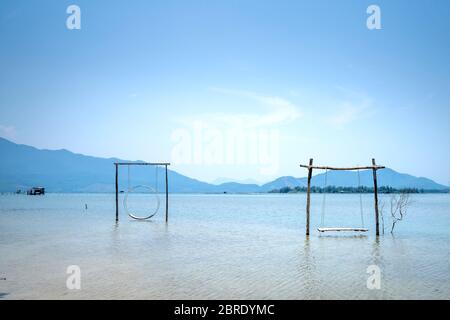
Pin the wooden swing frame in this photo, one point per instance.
(128, 164)
(374, 167)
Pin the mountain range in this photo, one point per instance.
(22, 167)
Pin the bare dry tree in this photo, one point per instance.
(399, 207)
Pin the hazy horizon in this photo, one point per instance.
(243, 180)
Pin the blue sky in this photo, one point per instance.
(141, 74)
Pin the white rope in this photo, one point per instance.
(360, 200)
(324, 198)
(156, 178)
(128, 178)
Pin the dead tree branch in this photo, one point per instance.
(399, 208)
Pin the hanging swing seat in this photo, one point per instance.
(342, 229)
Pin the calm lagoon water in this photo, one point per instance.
(219, 247)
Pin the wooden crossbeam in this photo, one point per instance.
(142, 163)
(343, 169)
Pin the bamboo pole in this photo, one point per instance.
(375, 192)
(117, 192)
(308, 195)
(167, 196)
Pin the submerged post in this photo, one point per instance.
(308, 195)
(117, 192)
(375, 193)
(167, 196)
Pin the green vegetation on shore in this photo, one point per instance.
(334, 189)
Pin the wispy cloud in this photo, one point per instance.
(276, 110)
(346, 115)
(8, 132)
(355, 107)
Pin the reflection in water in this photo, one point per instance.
(218, 247)
(115, 238)
(307, 269)
(3, 295)
(377, 259)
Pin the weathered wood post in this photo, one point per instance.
(167, 196)
(308, 195)
(375, 193)
(117, 192)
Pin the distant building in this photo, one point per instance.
(36, 191)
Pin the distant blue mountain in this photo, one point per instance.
(281, 182)
(385, 177)
(223, 180)
(22, 167)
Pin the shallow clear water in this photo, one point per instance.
(220, 247)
